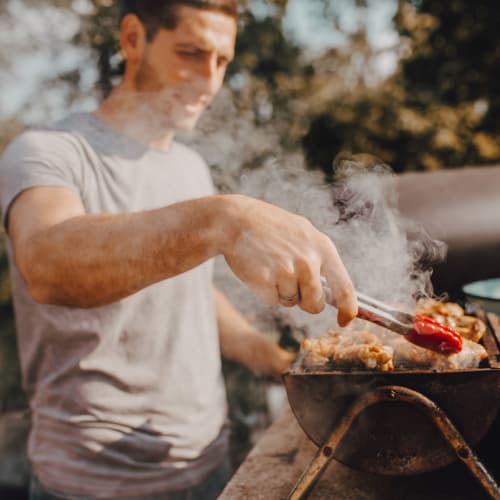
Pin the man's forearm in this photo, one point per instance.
(93, 260)
(68, 257)
(242, 342)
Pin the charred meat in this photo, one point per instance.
(382, 350)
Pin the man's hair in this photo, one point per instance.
(156, 14)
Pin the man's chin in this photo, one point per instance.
(186, 124)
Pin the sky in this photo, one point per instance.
(305, 23)
(39, 48)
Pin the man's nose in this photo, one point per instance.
(210, 75)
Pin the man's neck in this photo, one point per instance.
(124, 112)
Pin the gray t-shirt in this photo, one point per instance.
(127, 399)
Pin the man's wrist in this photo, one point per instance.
(226, 218)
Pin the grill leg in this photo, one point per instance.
(325, 453)
(386, 394)
(319, 463)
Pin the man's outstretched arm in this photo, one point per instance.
(241, 342)
(69, 257)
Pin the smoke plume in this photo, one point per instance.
(387, 256)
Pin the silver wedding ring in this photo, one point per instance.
(289, 299)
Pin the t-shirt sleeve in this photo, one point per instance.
(38, 158)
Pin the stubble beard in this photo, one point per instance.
(158, 106)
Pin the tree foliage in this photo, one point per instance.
(441, 107)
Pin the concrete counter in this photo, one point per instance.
(283, 453)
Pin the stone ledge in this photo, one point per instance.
(283, 453)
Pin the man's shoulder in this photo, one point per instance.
(41, 140)
(42, 147)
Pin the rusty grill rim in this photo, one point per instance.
(301, 371)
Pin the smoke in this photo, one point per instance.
(387, 256)
(150, 112)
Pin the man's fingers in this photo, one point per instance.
(288, 291)
(268, 296)
(264, 287)
(342, 289)
(312, 296)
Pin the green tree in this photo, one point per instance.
(440, 109)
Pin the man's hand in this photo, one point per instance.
(241, 342)
(282, 256)
(282, 361)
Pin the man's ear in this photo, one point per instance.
(132, 38)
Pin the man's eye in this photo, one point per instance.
(190, 53)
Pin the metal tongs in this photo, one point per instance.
(381, 314)
(378, 312)
(419, 330)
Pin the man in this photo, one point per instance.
(112, 225)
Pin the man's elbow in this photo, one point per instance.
(30, 268)
(41, 295)
(37, 289)
(50, 283)
(45, 294)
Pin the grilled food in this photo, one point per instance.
(385, 351)
(408, 356)
(358, 349)
(451, 314)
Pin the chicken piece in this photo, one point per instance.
(470, 328)
(409, 356)
(353, 349)
(370, 356)
(327, 343)
(431, 307)
(312, 357)
(470, 356)
(452, 315)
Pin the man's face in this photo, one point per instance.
(183, 69)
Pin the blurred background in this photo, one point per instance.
(414, 82)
